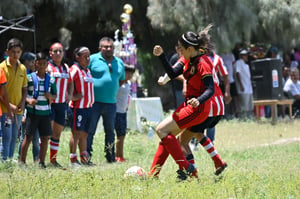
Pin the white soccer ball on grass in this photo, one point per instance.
(135, 172)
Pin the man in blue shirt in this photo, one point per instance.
(108, 74)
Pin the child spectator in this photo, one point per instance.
(41, 91)
(28, 59)
(123, 98)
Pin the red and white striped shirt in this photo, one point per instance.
(83, 83)
(219, 67)
(217, 102)
(62, 78)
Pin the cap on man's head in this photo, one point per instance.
(28, 56)
(274, 49)
(243, 52)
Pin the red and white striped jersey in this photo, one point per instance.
(62, 78)
(217, 102)
(83, 83)
(219, 67)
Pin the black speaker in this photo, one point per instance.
(266, 76)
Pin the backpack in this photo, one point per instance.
(36, 84)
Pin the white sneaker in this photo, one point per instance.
(75, 164)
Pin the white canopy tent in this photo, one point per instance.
(16, 24)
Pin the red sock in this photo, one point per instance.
(84, 157)
(159, 159)
(73, 157)
(54, 146)
(171, 144)
(209, 147)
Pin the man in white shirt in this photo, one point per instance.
(292, 87)
(244, 86)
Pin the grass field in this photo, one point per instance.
(263, 162)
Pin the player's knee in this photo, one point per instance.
(161, 132)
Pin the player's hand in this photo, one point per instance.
(32, 102)
(157, 50)
(162, 80)
(48, 96)
(13, 108)
(227, 98)
(193, 102)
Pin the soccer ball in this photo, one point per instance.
(135, 172)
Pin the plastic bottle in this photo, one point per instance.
(7, 122)
(150, 133)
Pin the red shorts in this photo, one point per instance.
(186, 116)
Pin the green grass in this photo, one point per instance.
(263, 162)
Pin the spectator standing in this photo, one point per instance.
(297, 55)
(231, 108)
(108, 74)
(288, 59)
(244, 87)
(28, 59)
(15, 73)
(38, 108)
(82, 101)
(123, 99)
(60, 71)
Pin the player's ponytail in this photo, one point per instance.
(204, 37)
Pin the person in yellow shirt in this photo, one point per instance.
(15, 73)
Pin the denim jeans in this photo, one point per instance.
(108, 113)
(10, 136)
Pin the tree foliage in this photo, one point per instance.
(157, 21)
(274, 21)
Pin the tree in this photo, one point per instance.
(234, 20)
(157, 22)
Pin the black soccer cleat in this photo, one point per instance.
(220, 170)
(184, 174)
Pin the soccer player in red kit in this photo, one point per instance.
(189, 44)
(197, 71)
(60, 71)
(82, 101)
